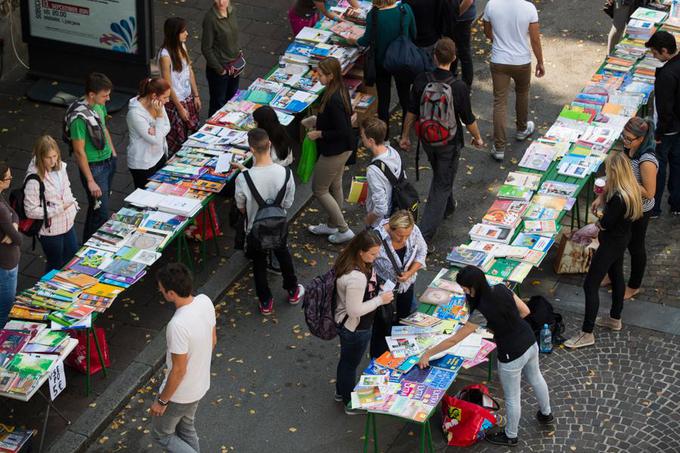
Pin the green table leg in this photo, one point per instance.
(428, 432)
(183, 252)
(375, 434)
(99, 353)
(370, 427)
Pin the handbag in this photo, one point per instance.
(464, 423)
(307, 160)
(370, 71)
(236, 66)
(403, 56)
(78, 358)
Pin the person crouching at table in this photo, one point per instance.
(357, 300)
(517, 348)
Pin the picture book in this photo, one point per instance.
(493, 233)
(402, 346)
(538, 212)
(448, 362)
(435, 296)
(408, 364)
(421, 320)
(557, 188)
(293, 101)
(533, 257)
(514, 193)
(455, 310)
(24, 383)
(148, 240)
(463, 256)
(387, 360)
(502, 268)
(505, 213)
(523, 179)
(50, 338)
(11, 341)
(538, 156)
(372, 380)
(534, 241)
(543, 227)
(31, 365)
(347, 30)
(446, 279)
(262, 91)
(125, 268)
(7, 378)
(366, 397)
(410, 409)
(13, 439)
(575, 166)
(104, 290)
(550, 201)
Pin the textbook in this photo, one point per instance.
(538, 212)
(557, 188)
(493, 233)
(533, 241)
(648, 14)
(509, 192)
(462, 256)
(549, 201)
(543, 227)
(293, 101)
(313, 35)
(538, 156)
(505, 213)
(530, 181)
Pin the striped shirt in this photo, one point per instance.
(647, 203)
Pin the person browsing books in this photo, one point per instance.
(402, 255)
(10, 247)
(517, 348)
(623, 206)
(270, 180)
(305, 13)
(282, 146)
(148, 125)
(184, 105)
(639, 146)
(379, 195)
(335, 141)
(358, 298)
(57, 235)
(444, 155)
(85, 128)
(191, 338)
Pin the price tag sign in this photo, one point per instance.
(57, 380)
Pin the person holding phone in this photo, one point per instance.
(148, 126)
(358, 298)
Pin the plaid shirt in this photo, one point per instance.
(57, 194)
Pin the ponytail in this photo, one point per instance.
(155, 85)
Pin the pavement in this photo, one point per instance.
(272, 382)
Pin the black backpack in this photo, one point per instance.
(542, 313)
(404, 195)
(29, 227)
(270, 226)
(319, 304)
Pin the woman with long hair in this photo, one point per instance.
(516, 343)
(58, 234)
(357, 299)
(335, 141)
(638, 145)
(623, 206)
(10, 247)
(282, 146)
(185, 103)
(402, 255)
(148, 125)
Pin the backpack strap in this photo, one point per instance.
(251, 185)
(397, 269)
(282, 191)
(404, 26)
(41, 197)
(387, 172)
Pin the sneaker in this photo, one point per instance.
(295, 297)
(267, 308)
(500, 438)
(321, 229)
(609, 323)
(497, 155)
(339, 238)
(349, 410)
(581, 340)
(337, 398)
(523, 135)
(544, 419)
(675, 213)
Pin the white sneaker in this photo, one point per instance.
(498, 155)
(339, 238)
(523, 135)
(321, 229)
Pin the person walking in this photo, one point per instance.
(282, 146)
(10, 247)
(184, 105)
(461, 33)
(58, 234)
(148, 126)
(622, 10)
(334, 141)
(223, 56)
(638, 145)
(385, 158)
(431, 22)
(444, 158)
(391, 20)
(623, 207)
(305, 13)
(191, 337)
(85, 127)
(517, 349)
(402, 255)
(512, 27)
(358, 298)
(266, 181)
(667, 103)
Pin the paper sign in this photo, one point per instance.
(57, 380)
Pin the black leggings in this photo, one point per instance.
(638, 251)
(383, 86)
(381, 329)
(608, 260)
(141, 177)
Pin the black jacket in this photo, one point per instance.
(667, 97)
(335, 124)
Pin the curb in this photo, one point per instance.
(81, 433)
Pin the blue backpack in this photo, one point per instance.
(319, 303)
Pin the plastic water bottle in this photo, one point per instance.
(546, 345)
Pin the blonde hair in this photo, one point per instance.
(401, 219)
(621, 180)
(383, 3)
(41, 148)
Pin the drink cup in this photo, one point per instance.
(598, 187)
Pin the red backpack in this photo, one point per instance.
(29, 227)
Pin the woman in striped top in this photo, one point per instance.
(639, 145)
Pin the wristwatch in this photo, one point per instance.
(162, 403)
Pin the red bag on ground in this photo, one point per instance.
(78, 358)
(479, 394)
(464, 423)
(195, 231)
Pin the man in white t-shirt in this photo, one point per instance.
(512, 26)
(191, 338)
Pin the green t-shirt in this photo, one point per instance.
(79, 132)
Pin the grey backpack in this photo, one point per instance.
(437, 124)
(270, 226)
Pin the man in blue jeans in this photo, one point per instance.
(667, 103)
(85, 127)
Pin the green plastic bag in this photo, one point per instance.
(307, 160)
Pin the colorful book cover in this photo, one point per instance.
(493, 233)
(421, 320)
(125, 268)
(557, 188)
(435, 296)
(514, 192)
(505, 213)
(11, 341)
(530, 181)
(464, 257)
(502, 268)
(449, 362)
(30, 365)
(387, 360)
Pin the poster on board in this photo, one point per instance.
(102, 24)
